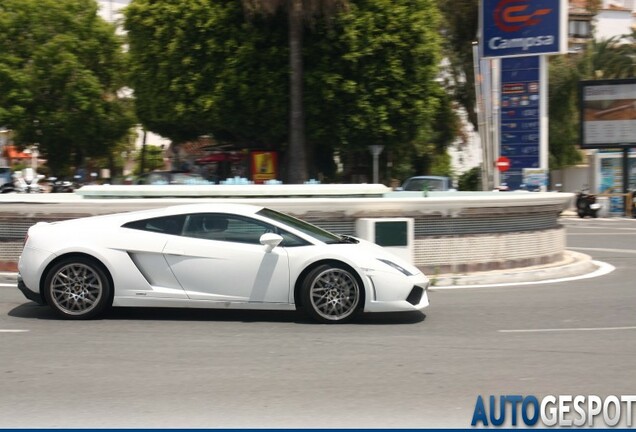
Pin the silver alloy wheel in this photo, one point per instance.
(76, 288)
(334, 294)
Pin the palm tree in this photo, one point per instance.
(298, 12)
(611, 58)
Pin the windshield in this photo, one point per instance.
(428, 184)
(302, 226)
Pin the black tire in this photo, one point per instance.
(332, 294)
(77, 288)
(581, 213)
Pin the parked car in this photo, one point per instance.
(212, 256)
(6, 180)
(170, 178)
(428, 183)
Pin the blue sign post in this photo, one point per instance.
(516, 37)
(520, 122)
(523, 27)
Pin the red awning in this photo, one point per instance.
(211, 158)
(220, 157)
(11, 152)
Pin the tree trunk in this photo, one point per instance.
(297, 168)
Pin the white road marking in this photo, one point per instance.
(603, 269)
(567, 329)
(627, 251)
(13, 331)
(602, 234)
(11, 285)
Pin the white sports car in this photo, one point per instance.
(212, 256)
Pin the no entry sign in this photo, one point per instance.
(503, 164)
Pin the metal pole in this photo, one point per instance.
(481, 123)
(375, 152)
(626, 170)
(543, 119)
(495, 146)
(142, 167)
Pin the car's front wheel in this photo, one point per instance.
(77, 288)
(331, 294)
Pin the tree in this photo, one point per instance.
(198, 67)
(470, 180)
(372, 79)
(608, 59)
(369, 76)
(298, 12)
(60, 69)
(460, 28)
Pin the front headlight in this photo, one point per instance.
(396, 266)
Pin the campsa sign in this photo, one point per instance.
(523, 27)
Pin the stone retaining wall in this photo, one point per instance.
(453, 234)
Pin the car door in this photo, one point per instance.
(219, 257)
(144, 241)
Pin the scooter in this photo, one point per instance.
(27, 181)
(61, 186)
(586, 204)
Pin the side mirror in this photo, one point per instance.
(270, 241)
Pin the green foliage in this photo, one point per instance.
(608, 59)
(369, 77)
(564, 112)
(153, 159)
(200, 67)
(60, 68)
(371, 80)
(460, 26)
(470, 180)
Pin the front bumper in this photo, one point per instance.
(31, 295)
(393, 293)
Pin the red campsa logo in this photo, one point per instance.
(514, 15)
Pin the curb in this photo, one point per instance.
(8, 278)
(573, 264)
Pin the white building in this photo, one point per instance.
(111, 10)
(614, 19)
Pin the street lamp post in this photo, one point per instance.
(375, 152)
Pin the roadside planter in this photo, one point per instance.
(455, 232)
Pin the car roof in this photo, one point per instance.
(121, 218)
(427, 177)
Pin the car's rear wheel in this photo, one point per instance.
(331, 294)
(77, 288)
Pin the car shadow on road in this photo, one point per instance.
(33, 311)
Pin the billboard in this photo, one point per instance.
(520, 113)
(264, 166)
(608, 113)
(512, 28)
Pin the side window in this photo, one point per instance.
(291, 240)
(164, 225)
(209, 226)
(157, 179)
(225, 227)
(232, 228)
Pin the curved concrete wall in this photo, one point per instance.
(454, 233)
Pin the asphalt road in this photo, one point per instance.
(176, 368)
